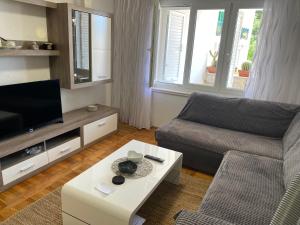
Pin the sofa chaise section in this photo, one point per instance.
(196, 218)
(247, 189)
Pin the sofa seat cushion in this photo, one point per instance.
(247, 189)
(218, 140)
(291, 164)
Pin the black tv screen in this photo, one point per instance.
(29, 106)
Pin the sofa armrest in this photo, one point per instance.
(198, 218)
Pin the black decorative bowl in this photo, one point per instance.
(127, 167)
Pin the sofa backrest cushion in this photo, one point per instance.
(291, 163)
(292, 134)
(245, 115)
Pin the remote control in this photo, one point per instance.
(154, 158)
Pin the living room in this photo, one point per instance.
(128, 112)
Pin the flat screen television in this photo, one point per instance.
(29, 106)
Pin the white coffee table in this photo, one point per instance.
(83, 204)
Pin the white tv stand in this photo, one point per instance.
(57, 142)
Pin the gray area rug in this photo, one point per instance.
(159, 209)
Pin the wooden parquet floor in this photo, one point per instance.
(25, 193)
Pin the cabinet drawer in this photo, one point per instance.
(21, 169)
(64, 149)
(100, 128)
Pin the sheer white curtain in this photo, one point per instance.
(275, 74)
(131, 93)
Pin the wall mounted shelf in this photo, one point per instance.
(39, 3)
(28, 52)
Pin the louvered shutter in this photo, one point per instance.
(173, 46)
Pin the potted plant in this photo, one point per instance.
(214, 62)
(245, 68)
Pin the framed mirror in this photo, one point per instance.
(81, 46)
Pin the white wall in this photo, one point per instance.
(20, 21)
(105, 5)
(166, 107)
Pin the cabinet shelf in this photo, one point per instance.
(27, 52)
(43, 3)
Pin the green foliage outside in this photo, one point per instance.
(255, 31)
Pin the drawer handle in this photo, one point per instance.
(65, 150)
(101, 124)
(27, 167)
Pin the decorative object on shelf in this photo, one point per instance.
(134, 156)
(244, 72)
(2, 42)
(213, 67)
(127, 167)
(35, 46)
(144, 168)
(9, 44)
(34, 150)
(92, 108)
(47, 46)
(118, 180)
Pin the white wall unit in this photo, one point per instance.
(100, 128)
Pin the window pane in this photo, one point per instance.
(206, 46)
(172, 45)
(244, 45)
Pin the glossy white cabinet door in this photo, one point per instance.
(101, 47)
(99, 128)
(101, 65)
(64, 149)
(23, 168)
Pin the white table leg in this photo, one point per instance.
(174, 175)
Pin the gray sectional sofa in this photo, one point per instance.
(255, 148)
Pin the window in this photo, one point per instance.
(208, 32)
(208, 46)
(173, 42)
(244, 45)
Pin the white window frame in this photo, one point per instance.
(232, 8)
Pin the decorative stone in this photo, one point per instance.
(134, 156)
(118, 180)
(128, 167)
(144, 168)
